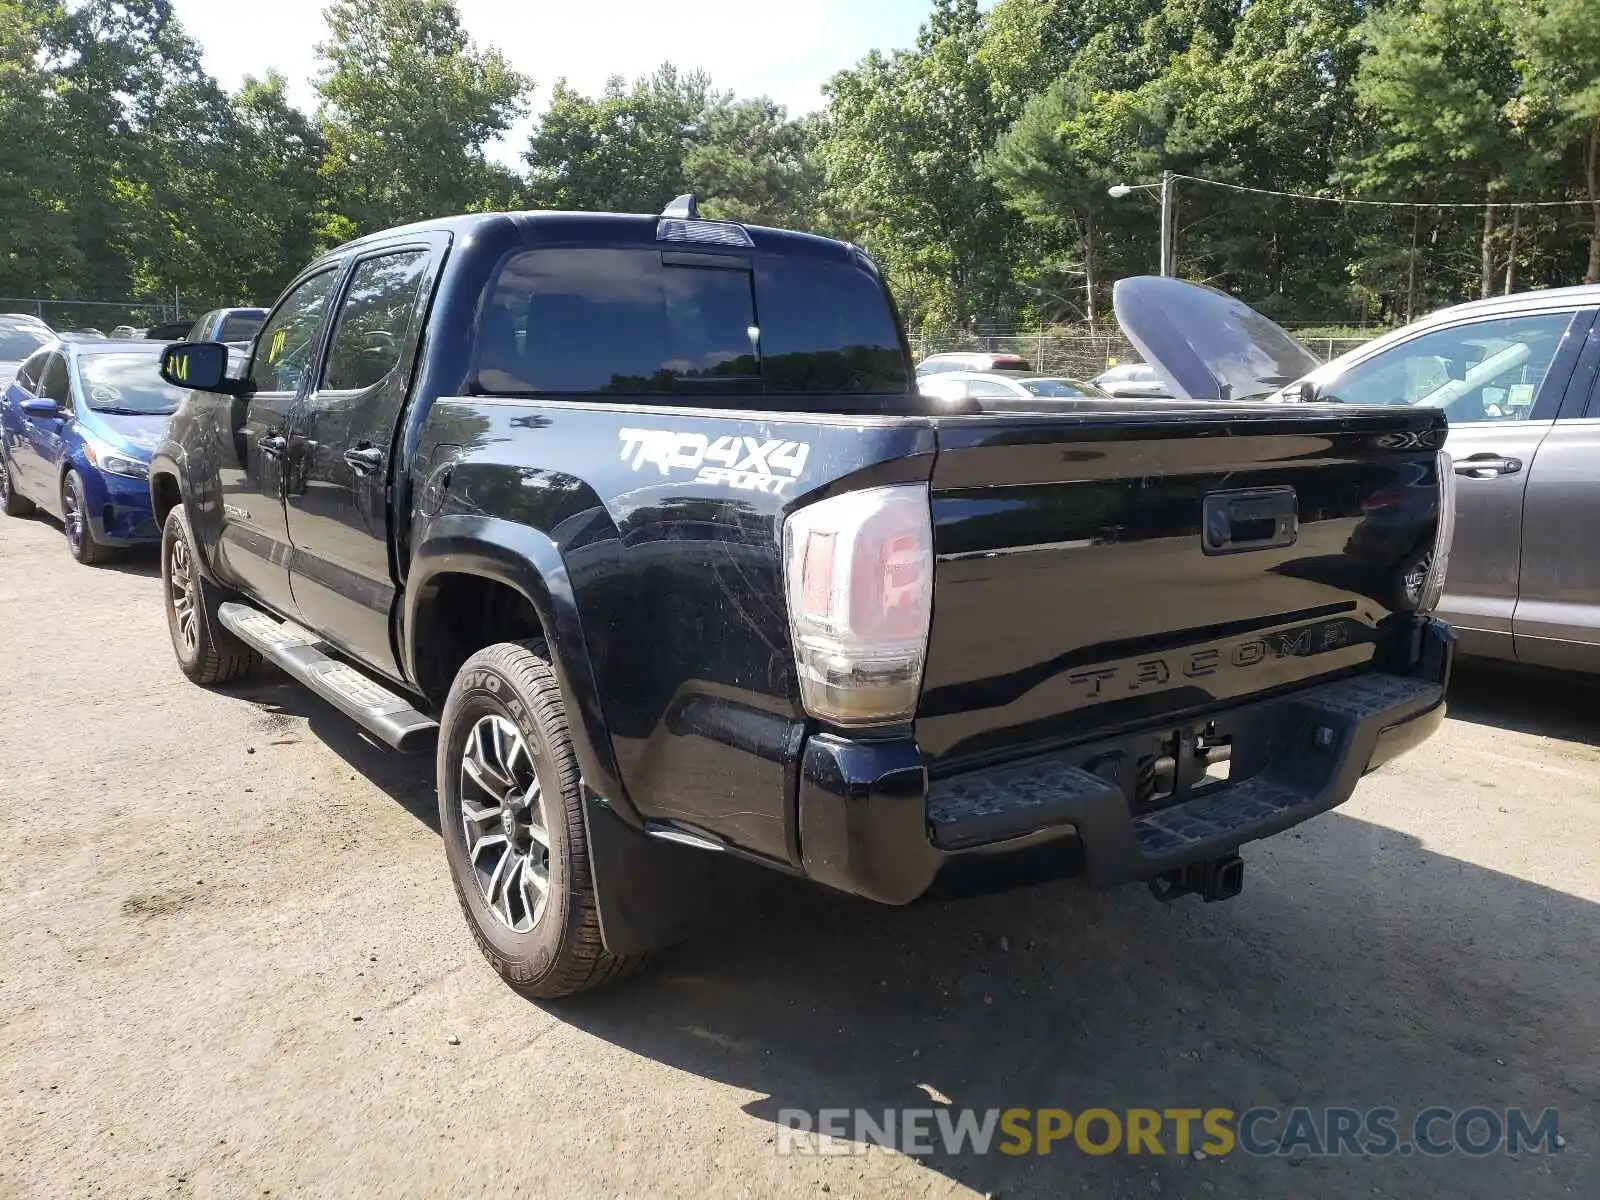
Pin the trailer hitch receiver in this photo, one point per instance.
(1214, 879)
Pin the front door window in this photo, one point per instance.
(288, 340)
(1482, 371)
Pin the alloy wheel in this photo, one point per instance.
(503, 819)
(182, 594)
(5, 479)
(72, 515)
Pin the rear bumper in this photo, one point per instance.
(872, 824)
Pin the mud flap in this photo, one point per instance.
(650, 893)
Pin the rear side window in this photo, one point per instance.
(827, 327)
(374, 320)
(240, 327)
(29, 372)
(646, 321)
(54, 383)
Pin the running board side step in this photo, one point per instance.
(302, 655)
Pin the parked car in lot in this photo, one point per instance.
(78, 424)
(981, 390)
(1135, 381)
(19, 338)
(27, 319)
(640, 524)
(968, 361)
(169, 331)
(235, 326)
(1517, 378)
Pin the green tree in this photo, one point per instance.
(1055, 164)
(1560, 43)
(751, 163)
(119, 68)
(1264, 99)
(38, 249)
(623, 151)
(277, 188)
(1439, 94)
(902, 146)
(1109, 44)
(408, 104)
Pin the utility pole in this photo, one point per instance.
(1166, 223)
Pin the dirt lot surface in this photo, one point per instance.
(231, 964)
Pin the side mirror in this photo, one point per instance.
(41, 409)
(1304, 392)
(202, 366)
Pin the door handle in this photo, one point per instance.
(273, 445)
(364, 460)
(1487, 466)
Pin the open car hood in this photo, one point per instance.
(1206, 345)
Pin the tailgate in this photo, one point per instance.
(1108, 570)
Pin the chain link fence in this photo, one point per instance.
(1076, 354)
(101, 315)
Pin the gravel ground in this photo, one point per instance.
(231, 964)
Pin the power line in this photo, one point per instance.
(1239, 187)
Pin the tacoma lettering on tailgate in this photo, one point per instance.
(1144, 674)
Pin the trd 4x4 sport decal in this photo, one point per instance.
(750, 464)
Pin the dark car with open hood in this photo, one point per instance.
(640, 525)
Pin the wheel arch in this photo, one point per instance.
(167, 491)
(510, 583)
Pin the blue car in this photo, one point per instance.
(77, 427)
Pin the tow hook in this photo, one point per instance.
(1214, 879)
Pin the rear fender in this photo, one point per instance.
(649, 892)
(527, 561)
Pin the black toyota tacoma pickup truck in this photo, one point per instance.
(640, 522)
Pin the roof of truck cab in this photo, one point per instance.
(601, 229)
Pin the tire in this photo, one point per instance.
(503, 690)
(75, 522)
(206, 652)
(13, 502)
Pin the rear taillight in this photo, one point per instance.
(858, 574)
(1439, 560)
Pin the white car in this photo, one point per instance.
(1132, 380)
(936, 364)
(26, 319)
(972, 389)
(19, 338)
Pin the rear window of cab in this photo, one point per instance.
(638, 322)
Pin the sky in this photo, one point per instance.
(785, 50)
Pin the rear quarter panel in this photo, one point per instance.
(668, 524)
